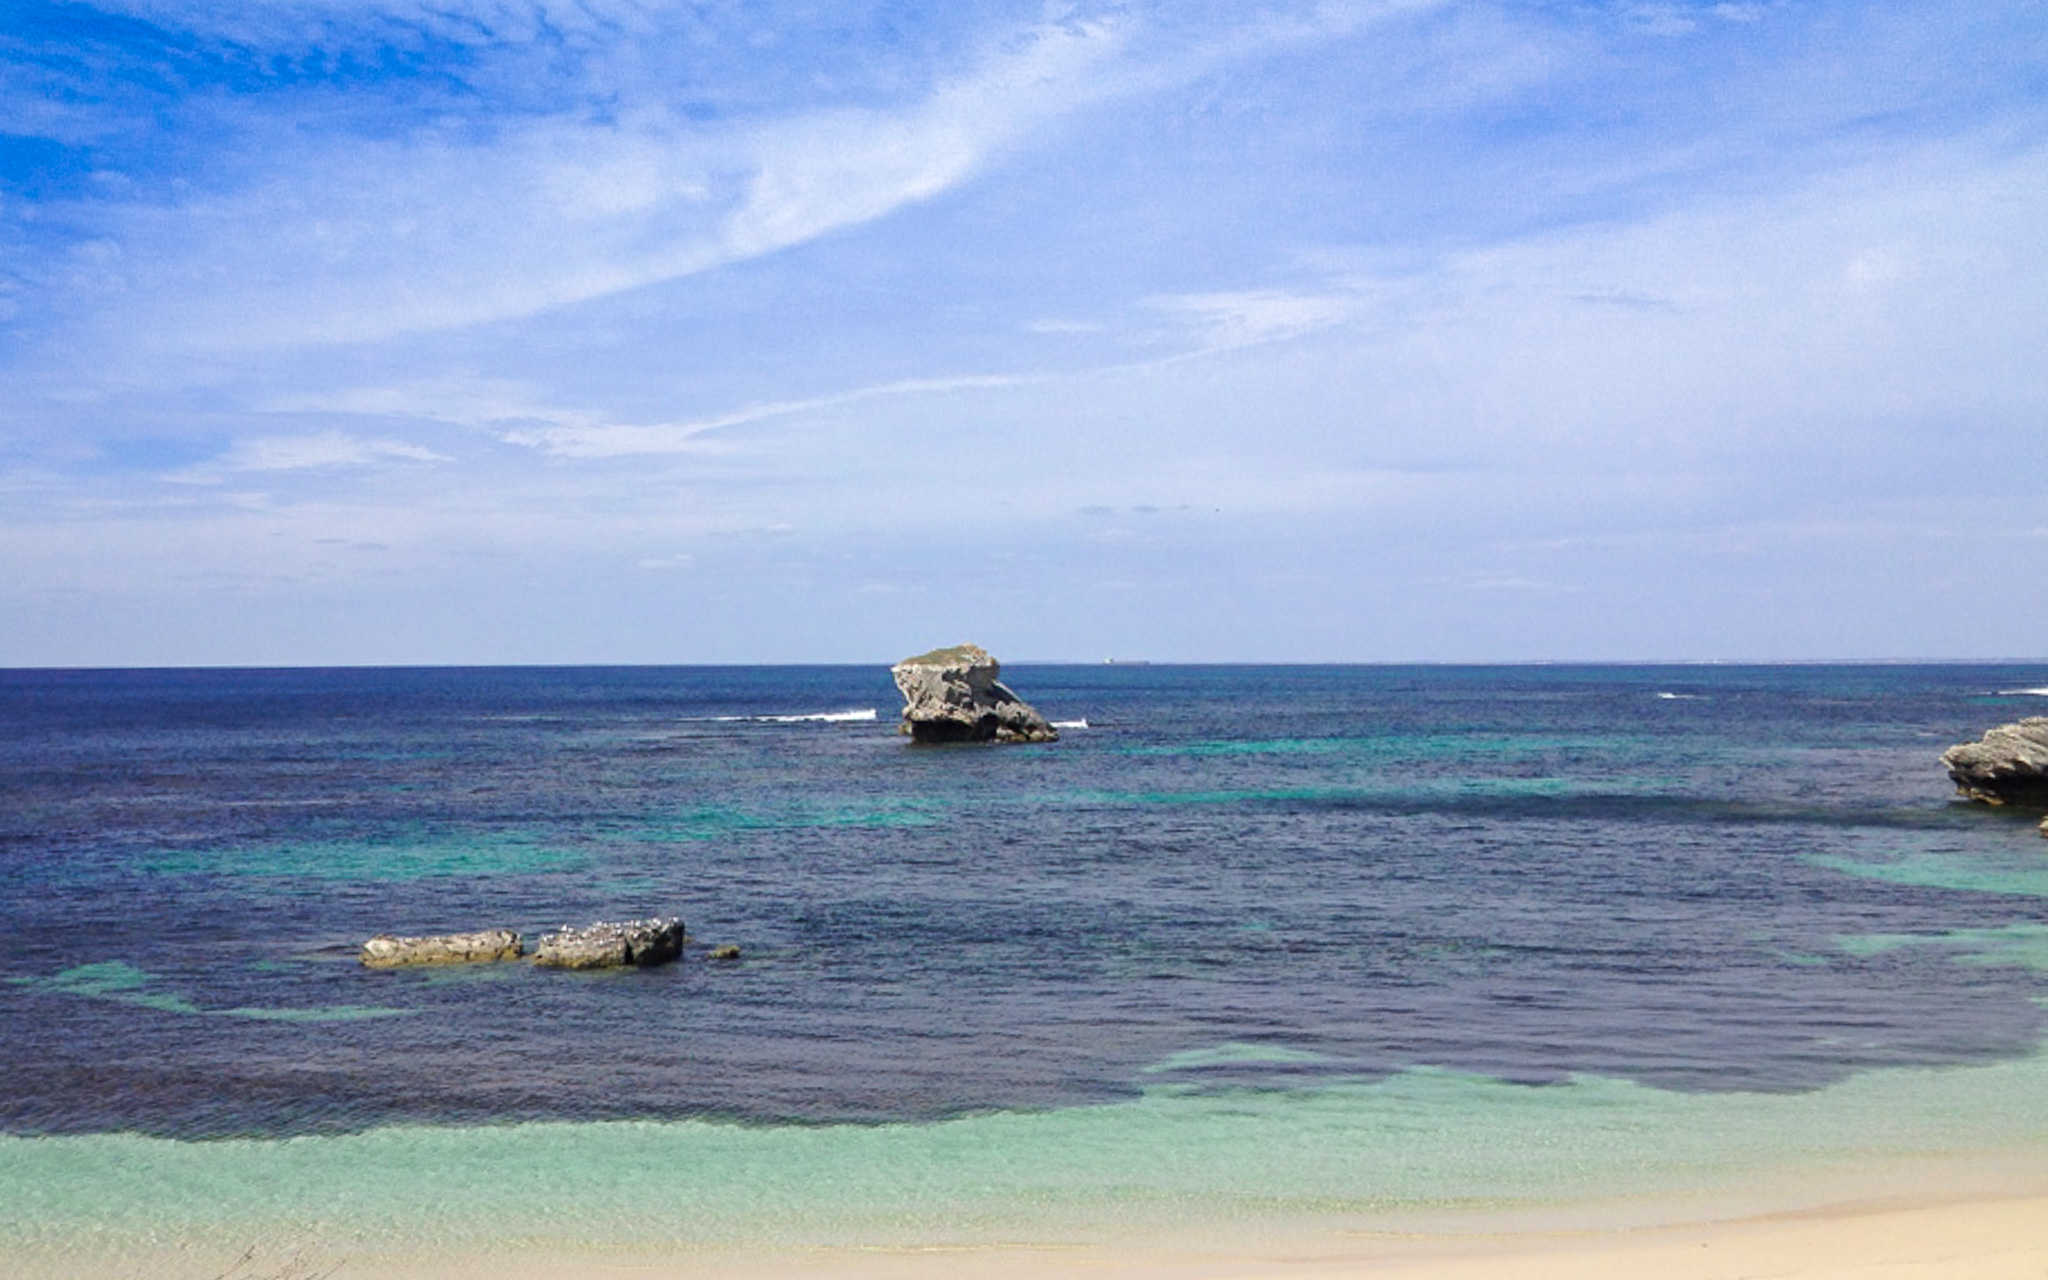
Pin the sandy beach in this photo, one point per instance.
(1992, 1238)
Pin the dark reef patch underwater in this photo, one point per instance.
(1235, 880)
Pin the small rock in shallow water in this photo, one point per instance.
(387, 952)
(611, 944)
(726, 952)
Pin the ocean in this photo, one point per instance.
(1247, 943)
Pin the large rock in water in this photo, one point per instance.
(612, 944)
(952, 695)
(387, 952)
(2008, 765)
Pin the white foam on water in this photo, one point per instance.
(1070, 724)
(2016, 693)
(825, 717)
(856, 715)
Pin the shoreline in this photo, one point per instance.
(1936, 1237)
(1974, 1216)
(1934, 1174)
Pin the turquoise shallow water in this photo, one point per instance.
(1422, 1140)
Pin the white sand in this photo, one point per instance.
(1994, 1238)
(1977, 1216)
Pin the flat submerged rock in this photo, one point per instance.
(388, 951)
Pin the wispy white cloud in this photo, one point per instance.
(324, 451)
(823, 173)
(681, 560)
(1673, 18)
(332, 238)
(1065, 327)
(1663, 19)
(352, 240)
(1226, 321)
(1501, 580)
(274, 19)
(600, 439)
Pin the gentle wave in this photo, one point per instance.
(814, 717)
(1682, 697)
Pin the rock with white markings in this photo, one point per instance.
(952, 695)
(612, 944)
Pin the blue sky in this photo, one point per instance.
(347, 331)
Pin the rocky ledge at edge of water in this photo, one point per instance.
(2007, 766)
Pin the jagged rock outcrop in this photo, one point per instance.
(952, 695)
(2008, 765)
(387, 952)
(612, 944)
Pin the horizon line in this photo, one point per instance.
(1039, 662)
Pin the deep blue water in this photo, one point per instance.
(1702, 879)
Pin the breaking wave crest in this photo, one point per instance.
(814, 717)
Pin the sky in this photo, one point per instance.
(343, 332)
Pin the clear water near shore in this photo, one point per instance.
(1425, 1140)
(1255, 941)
